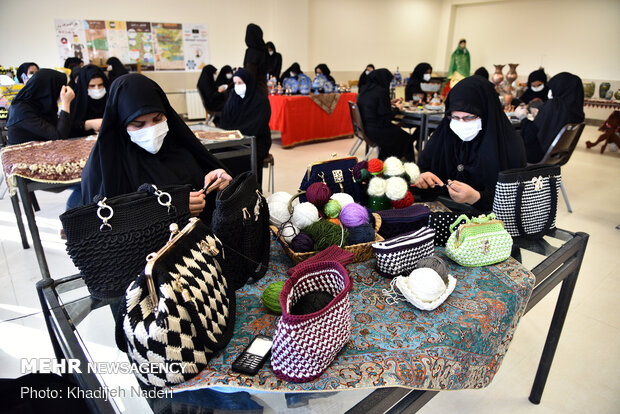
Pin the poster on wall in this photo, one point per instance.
(71, 39)
(168, 39)
(117, 40)
(195, 46)
(140, 40)
(96, 41)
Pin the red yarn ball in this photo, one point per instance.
(403, 202)
(318, 194)
(375, 166)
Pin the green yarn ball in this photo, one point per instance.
(271, 297)
(332, 209)
(325, 233)
(379, 203)
(364, 174)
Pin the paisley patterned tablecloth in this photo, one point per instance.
(459, 345)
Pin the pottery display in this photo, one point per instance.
(588, 89)
(498, 76)
(512, 76)
(603, 89)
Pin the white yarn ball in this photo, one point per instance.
(413, 171)
(376, 186)
(426, 284)
(342, 198)
(396, 188)
(304, 215)
(393, 167)
(288, 232)
(278, 207)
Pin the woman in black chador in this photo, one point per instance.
(213, 97)
(255, 59)
(143, 140)
(421, 73)
(377, 114)
(274, 60)
(116, 69)
(90, 99)
(537, 87)
(292, 71)
(472, 144)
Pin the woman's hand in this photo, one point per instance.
(216, 180)
(428, 180)
(66, 96)
(222, 88)
(521, 112)
(93, 124)
(196, 202)
(462, 193)
(534, 112)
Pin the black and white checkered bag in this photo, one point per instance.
(526, 199)
(180, 311)
(398, 256)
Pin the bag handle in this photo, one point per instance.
(462, 217)
(552, 209)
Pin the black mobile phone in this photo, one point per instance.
(254, 356)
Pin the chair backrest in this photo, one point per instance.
(358, 126)
(563, 145)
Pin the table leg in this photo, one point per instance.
(555, 329)
(20, 221)
(32, 225)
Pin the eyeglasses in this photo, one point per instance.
(467, 118)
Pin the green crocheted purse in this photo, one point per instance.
(479, 241)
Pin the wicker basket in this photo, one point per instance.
(361, 252)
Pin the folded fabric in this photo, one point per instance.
(332, 253)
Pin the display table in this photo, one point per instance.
(393, 348)
(302, 120)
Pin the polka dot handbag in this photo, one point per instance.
(441, 222)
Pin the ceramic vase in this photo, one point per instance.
(588, 89)
(498, 76)
(617, 95)
(512, 76)
(602, 89)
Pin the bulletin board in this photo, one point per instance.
(155, 45)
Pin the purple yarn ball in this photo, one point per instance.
(302, 243)
(357, 169)
(353, 215)
(318, 194)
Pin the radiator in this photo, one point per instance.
(195, 109)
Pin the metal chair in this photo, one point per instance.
(358, 131)
(561, 149)
(268, 162)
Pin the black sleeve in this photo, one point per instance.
(485, 203)
(42, 130)
(278, 66)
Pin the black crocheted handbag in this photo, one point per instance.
(241, 222)
(109, 240)
(441, 221)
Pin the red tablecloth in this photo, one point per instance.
(301, 120)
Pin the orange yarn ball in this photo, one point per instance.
(334, 220)
(403, 202)
(375, 166)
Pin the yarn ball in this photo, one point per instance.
(304, 215)
(361, 234)
(325, 233)
(403, 202)
(343, 199)
(288, 231)
(302, 243)
(318, 194)
(393, 167)
(375, 166)
(376, 187)
(364, 174)
(378, 203)
(334, 220)
(396, 188)
(426, 284)
(278, 207)
(353, 215)
(357, 169)
(271, 297)
(332, 209)
(412, 171)
(435, 263)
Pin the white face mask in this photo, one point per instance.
(229, 76)
(538, 88)
(293, 74)
(426, 77)
(151, 138)
(367, 72)
(466, 131)
(96, 93)
(240, 89)
(549, 94)
(270, 52)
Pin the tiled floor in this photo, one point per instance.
(584, 375)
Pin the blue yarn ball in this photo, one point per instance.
(361, 234)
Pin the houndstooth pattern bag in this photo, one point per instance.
(526, 199)
(179, 310)
(399, 255)
(305, 345)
